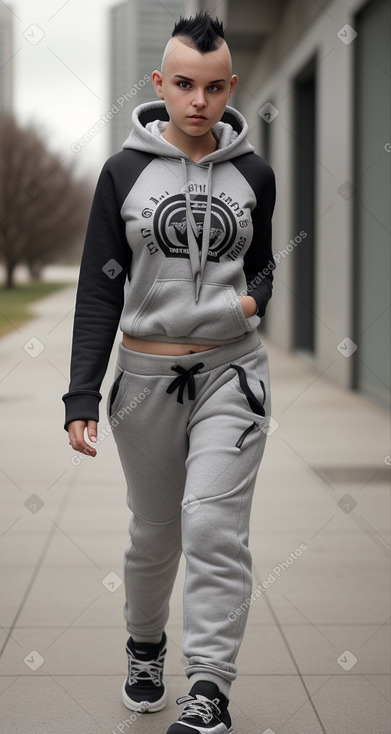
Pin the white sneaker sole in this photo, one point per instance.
(193, 728)
(143, 707)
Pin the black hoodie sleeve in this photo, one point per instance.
(258, 260)
(99, 301)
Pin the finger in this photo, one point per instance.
(83, 448)
(76, 440)
(92, 430)
(76, 431)
(90, 434)
(89, 450)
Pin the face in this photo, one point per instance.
(195, 87)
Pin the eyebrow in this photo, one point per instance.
(187, 79)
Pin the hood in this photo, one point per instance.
(151, 119)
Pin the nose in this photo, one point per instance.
(199, 100)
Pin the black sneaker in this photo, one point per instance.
(144, 690)
(205, 711)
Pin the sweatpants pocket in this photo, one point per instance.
(253, 427)
(114, 393)
(254, 403)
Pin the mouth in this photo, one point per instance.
(197, 117)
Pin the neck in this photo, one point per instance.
(196, 147)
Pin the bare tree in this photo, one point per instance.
(43, 204)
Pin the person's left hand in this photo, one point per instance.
(249, 305)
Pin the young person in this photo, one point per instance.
(178, 254)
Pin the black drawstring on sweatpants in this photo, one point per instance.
(185, 377)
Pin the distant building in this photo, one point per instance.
(6, 62)
(139, 31)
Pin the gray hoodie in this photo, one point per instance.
(170, 246)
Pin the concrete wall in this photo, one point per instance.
(300, 34)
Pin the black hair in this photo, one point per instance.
(202, 32)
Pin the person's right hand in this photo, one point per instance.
(76, 432)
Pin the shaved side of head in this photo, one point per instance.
(173, 49)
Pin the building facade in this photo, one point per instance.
(6, 59)
(139, 30)
(315, 89)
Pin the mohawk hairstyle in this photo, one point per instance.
(200, 32)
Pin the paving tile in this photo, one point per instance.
(263, 652)
(326, 586)
(272, 703)
(259, 612)
(327, 649)
(58, 598)
(352, 704)
(41, 705)
(67, 549)
(13, 586)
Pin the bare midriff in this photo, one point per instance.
(173, 349)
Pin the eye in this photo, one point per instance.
(215, 88)
(184, 85)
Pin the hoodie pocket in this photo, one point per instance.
(113, 394)
(170, 310)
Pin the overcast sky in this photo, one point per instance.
(61, 72)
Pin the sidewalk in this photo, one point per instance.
(315, 658)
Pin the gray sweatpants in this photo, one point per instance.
(190, 433)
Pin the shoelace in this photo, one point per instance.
(139, 669)
(203, 708)
(186, 377)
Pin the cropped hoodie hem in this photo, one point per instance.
(170, 247)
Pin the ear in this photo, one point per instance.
(157, 81)
(233, 83)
